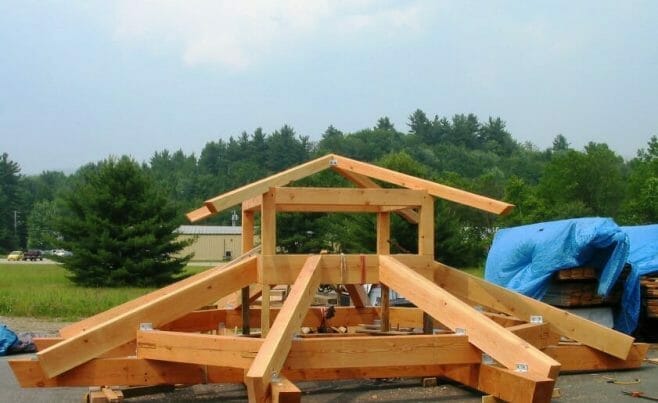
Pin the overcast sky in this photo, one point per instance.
(82, 80)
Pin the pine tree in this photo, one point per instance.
(120, 227)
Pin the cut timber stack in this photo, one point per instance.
(649, 287)
(577, 287)
(158, 339)
(647, 329)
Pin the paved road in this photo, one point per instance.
(592, 387)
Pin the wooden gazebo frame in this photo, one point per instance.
(493, 340)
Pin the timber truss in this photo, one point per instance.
(476, 333)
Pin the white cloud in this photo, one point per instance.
(238, 34)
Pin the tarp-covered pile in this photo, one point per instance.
(524, 259)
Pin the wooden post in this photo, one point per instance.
(384, 248)
(247, 244)
(426, 227)
(265, 310)
(268, 247)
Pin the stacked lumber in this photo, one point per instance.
(577, 287)
(649, 288)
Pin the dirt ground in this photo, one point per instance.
(591, 387)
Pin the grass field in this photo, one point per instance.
(43, 291)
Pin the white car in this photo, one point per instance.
(62, 253)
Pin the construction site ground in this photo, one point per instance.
(591, 387)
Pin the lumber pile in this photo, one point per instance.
(649, 289)
(577, 287)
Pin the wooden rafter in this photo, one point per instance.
(121, 329)
(239, 195)
(564, 323)
(493, 339)
(435, 189)
(363, 181)
(273, 352)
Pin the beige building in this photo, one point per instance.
(212, 243)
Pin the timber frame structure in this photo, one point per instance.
(476, 333)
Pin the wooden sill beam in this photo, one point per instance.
(310, 353)
(581, 358)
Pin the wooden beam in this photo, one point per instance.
(384, 248)
(117, 331)
(254, 189)
(348, 196)
(384, 234)
(310, 353)
(493, 339)
(207, 320)
(284, 391)
(363, 181)
(272, 354)
(252, 204)
(358, 295)
(247, 240)
(268, 224)
(380, 351)
(564, 323)
(81, 326)
(426, 227)
(199, 214)
(361, 269)
(504, 384)
(127, 349)
(139, 372)
(537, 334)
(122, 371)
(265, 319)
(326, 208)
(194, 348)
(581, 358)
(435, 189)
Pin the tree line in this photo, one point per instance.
(461, 151)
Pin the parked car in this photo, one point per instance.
(33, 255)
(15, 256)
(62, 253)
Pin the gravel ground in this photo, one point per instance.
(40, 327)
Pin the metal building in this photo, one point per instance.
(212, 243)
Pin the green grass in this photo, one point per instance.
(43, 291)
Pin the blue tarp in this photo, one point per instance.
(643, 258)
(7, 339)
(524, 258)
